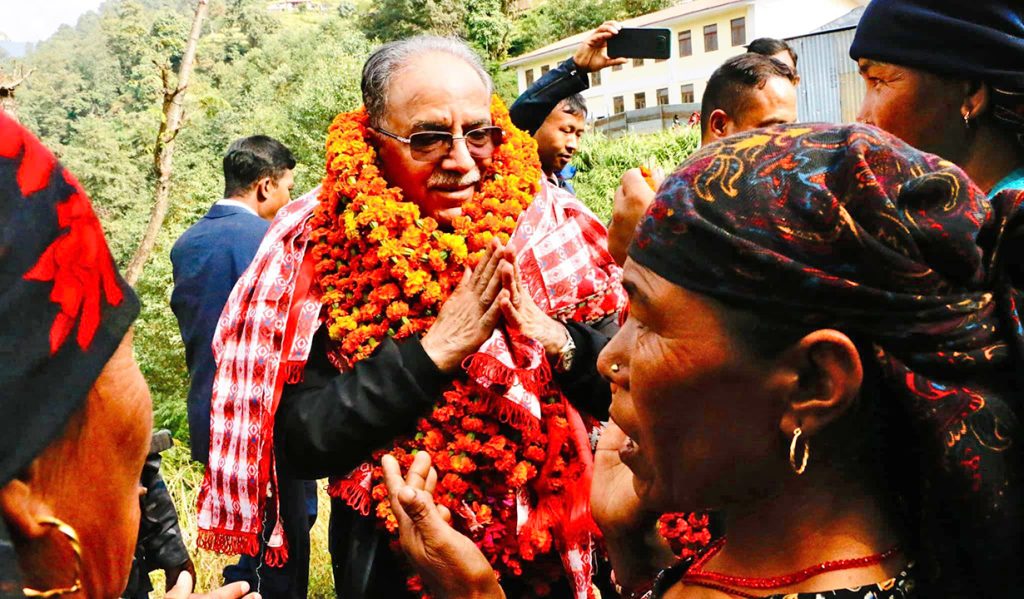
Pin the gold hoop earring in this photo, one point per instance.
(792, 453)
(76, 546)
(967, 120)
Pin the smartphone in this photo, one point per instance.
(640, 43)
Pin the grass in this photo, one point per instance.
(183, 478)
(601, 161)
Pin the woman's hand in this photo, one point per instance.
(449, 562)
(469, 315)
(635, 548)
(183, 590)
(613, 501)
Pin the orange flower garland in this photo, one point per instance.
(384, 270)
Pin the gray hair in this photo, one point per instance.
(392, 57)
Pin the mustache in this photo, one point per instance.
(450, 179)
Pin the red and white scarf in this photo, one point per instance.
(265, 332)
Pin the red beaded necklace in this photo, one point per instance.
(696, 575)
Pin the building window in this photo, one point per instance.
(544, 70)
(711, 37)
(595, 78)
(686, 92)
(739, 31)
(617, 67)
(640, 100)
(618, 106)
(685, 44)
(529, 77)
(638, 62)
(662, 96)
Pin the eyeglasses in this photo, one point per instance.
(430, 146)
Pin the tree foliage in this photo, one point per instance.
(95, 99)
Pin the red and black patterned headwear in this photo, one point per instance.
(850, 228)
(63, 307)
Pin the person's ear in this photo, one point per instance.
(22, 509)
(828, 377)
(718, 123)
(977, 98)
(263, 189)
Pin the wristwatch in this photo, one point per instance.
(567, 354)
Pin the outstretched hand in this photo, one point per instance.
(183, 590)
(449, 562)
(592, 55)
(469, 315)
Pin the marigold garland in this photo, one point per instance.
(384, 270)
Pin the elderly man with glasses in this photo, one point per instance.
(434, 270)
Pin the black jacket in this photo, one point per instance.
(536, 103)
(330, 423)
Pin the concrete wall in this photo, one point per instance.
(646, 120)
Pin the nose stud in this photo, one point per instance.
(615, 368)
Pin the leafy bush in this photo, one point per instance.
(601, 160)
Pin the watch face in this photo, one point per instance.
(566, 355)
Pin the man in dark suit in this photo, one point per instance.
(208, 258)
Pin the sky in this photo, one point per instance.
(36, 20)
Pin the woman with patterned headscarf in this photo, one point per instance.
(947, 77)
(824, 346)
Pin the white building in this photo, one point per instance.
(704, 34)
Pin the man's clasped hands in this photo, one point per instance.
(488, 295)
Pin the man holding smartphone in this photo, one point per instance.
(553, 111)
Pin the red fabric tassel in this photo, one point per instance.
(229, 542)
(276, 557)
(293, 372)
(351, 493)
(511, 413)
(483, 366)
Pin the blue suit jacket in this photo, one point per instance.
(208, 258)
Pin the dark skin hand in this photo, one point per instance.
(172, 574)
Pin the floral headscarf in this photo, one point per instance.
(850, 228)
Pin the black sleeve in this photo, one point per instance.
(536, 103)
(159, 533)
(583, 386)
(330, 422)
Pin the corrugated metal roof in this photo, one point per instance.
(661, 17)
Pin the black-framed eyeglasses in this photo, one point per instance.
(430, 146)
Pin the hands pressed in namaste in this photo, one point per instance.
(469, 316)
(489, 293)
